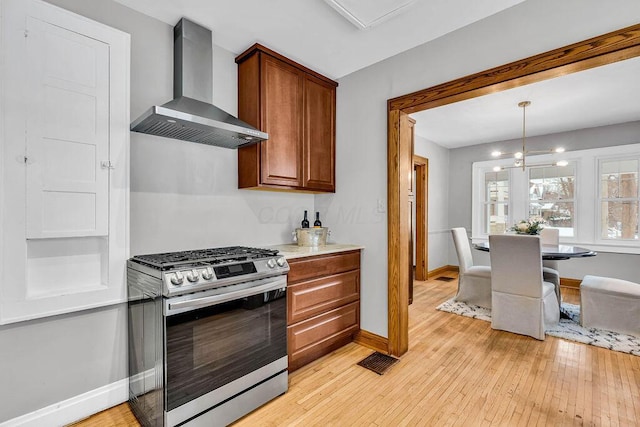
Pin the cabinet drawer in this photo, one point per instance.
(317, 266)
(306, 299)
(315, 337)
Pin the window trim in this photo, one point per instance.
(599, 199)
(486, 202)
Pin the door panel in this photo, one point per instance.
(67, 133)
(282, 93)
(319, 139)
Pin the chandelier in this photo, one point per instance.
(520, 157)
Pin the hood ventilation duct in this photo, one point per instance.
(191, 116)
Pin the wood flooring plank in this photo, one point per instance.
(457, 372)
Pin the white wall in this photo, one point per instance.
(361, 182)
(183, 196)
(438, 196)
(526, 29)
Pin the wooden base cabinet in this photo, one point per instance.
(323, 305)
(297, 108)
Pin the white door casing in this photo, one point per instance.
(64, 161)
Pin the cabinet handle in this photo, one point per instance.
(106, 164)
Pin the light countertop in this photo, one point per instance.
(291, 251)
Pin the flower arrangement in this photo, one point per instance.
(533, 225)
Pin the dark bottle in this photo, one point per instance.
(317, 222)
(305, 221)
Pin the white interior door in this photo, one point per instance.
(67, 133)
(64, 110)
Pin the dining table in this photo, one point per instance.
(552, 253)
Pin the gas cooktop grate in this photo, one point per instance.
(211, 256)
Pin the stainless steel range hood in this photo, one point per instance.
(191, 116)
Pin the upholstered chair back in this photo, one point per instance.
(516, 264)
(550, 236)
(463, 249)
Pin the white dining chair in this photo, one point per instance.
(550, 236)
(474, 281)
(521, 301)
(550, 272)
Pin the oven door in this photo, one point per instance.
(222, 342)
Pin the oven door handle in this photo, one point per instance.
(188, 305)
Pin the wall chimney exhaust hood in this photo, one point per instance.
(191, 116)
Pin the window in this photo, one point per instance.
(496, 202)
(619, 199)
(552, 196)
(594, 201)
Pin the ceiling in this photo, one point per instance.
(328, 36)
(600, 96)
(315, 34)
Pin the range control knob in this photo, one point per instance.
(177, 278)
(193, 276)
(271, 263)
(207, 273)
(281, 261)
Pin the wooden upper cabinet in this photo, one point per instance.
(282, 89)
(297, 108)
(319, 138)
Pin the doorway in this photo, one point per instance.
(421, 189)
(418, 241)
(604, 49)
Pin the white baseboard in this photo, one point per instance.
(75, 408)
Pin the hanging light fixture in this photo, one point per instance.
(520, 157)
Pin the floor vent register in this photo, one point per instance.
(378, 362)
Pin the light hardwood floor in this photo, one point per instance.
(458, 371)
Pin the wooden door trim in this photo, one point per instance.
(594, 52)
(608, 48)
(395, 311)
(398, 179)
(421, 166)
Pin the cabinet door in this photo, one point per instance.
(282, 95)
(319, 135)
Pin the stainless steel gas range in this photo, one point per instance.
(207, 334)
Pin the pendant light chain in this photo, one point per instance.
(521, 157)
(524, 105)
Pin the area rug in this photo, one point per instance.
(378, 362)
(568, 329)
